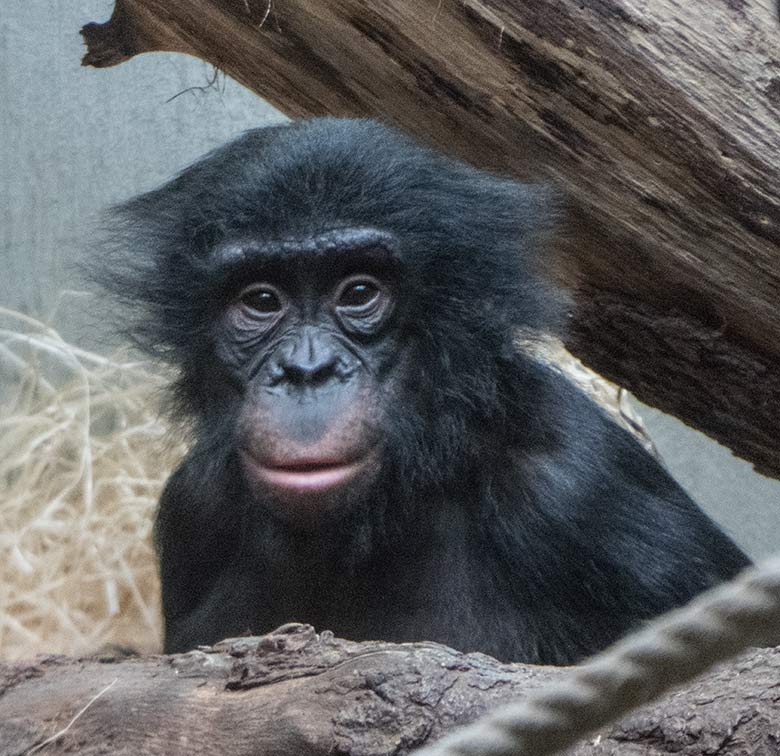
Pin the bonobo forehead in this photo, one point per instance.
(367, 242)
(312, 261)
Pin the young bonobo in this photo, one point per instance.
(371, 454)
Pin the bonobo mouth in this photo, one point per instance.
(304, 476)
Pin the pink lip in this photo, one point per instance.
(304, 477)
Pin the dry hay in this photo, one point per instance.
(83, 456)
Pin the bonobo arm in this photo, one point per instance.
(198, 534)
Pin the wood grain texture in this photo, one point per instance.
(293, 692)
(658, 119)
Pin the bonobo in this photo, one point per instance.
(371, 454)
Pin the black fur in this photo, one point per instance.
(510, 516)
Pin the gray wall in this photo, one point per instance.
(75, 140)
(746, 504)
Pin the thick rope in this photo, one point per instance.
(671, 650)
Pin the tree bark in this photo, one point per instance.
(658, 118)
(294, 692)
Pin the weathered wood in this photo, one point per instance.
(659, 118)
(293, 692)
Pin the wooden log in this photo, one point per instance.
(295, 693)
(658, 118)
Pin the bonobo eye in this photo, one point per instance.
(261, 299)
(362, 304)
(358, 294)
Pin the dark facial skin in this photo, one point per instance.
(312, 342)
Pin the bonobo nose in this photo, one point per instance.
(311, 360)
(309, 372)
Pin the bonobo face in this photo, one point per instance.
(310, 333)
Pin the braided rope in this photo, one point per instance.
(671, 650)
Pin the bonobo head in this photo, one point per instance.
(340, 303)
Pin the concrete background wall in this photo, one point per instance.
(75, 140)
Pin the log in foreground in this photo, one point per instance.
(298, 693)
(659, 120)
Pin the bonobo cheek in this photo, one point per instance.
(310, 455)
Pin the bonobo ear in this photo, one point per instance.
(541, 209)
(540, 217)
(544, 213)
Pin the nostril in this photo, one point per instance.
(310, 371)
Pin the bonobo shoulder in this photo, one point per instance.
(592, 471)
